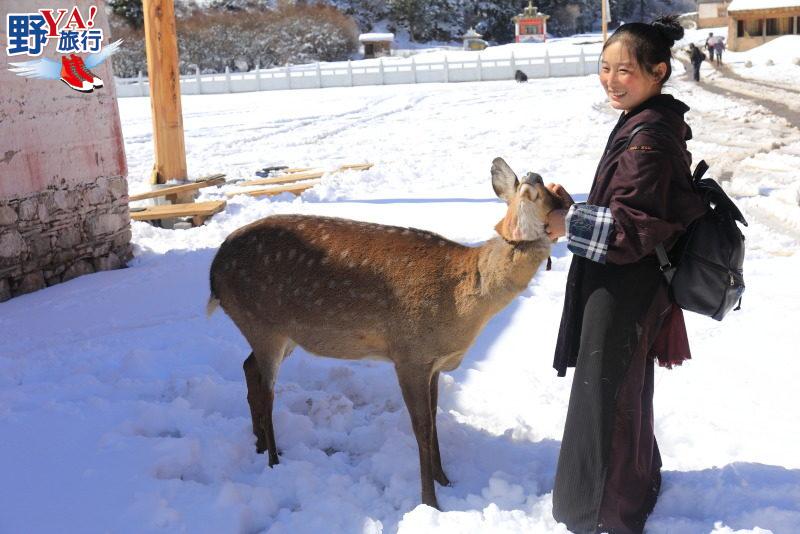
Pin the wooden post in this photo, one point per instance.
(604, 18)
(349, 73)
(161, 45)
(546, 63)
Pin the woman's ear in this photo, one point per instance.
(659, 72)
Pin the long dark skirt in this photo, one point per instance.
(608, 473)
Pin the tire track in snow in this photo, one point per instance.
(746, 140)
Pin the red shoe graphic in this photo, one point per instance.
(85, 73)
(71, 76)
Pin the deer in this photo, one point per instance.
(354, 290)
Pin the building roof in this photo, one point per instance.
(372, 37)
(751, 5)
(471, 34)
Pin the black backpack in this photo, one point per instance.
(704, 268)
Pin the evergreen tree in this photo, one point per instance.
(130, 10)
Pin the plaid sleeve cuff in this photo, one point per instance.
(589, 231)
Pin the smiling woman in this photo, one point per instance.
(617, 314)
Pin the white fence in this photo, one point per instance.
(380, 72)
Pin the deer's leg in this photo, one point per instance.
(261, 370)
(438, 471)
(415, 385)
(257, 400)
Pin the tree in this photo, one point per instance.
(130, 10)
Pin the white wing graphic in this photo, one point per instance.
(93, 60)
(44, 68)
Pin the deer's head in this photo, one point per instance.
(528, 200)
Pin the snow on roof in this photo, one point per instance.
(376, 37)
(747, 5)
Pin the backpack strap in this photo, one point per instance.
(699, 171)
(652, 127)
(666, 266)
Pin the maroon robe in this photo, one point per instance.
(615, 316)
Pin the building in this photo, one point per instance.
(755, 22)
(473, 40)
(530, 26)
(63, 189)
(376, 44)
(712, 13)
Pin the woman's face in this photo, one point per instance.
(626, 84)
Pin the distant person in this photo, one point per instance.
(710, 42)
(696, 56)
(617, 313)
(719, 47)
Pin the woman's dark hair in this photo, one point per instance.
(650, 44)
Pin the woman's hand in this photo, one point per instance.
(559, 191)
(555, 224)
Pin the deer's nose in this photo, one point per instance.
(533, 178)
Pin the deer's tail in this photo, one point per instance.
(213, 304)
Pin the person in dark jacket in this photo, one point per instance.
(617, 314)
(697, 57)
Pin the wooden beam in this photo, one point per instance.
(304, 175)
(161, 46)
(169, 211)
(284, 178)
(176, 189)
(293, 188)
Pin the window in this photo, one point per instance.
(772, 27)
(785, 27)
(739, 28)
(753, 27)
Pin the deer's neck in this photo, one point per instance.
(505, 269)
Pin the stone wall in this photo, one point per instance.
(60, 233)
(63, 189)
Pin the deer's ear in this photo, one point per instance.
(504, 181)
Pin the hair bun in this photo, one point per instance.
(669, 28)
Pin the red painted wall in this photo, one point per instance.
(50, 134)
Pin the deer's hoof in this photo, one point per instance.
(273, 458)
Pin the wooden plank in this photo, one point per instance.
(305, 175)
(355, 167)
(284, 178)
(168, 211)
(161, 46)
(272, 191)
(182, 188)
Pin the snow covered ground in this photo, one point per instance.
(122, 407)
